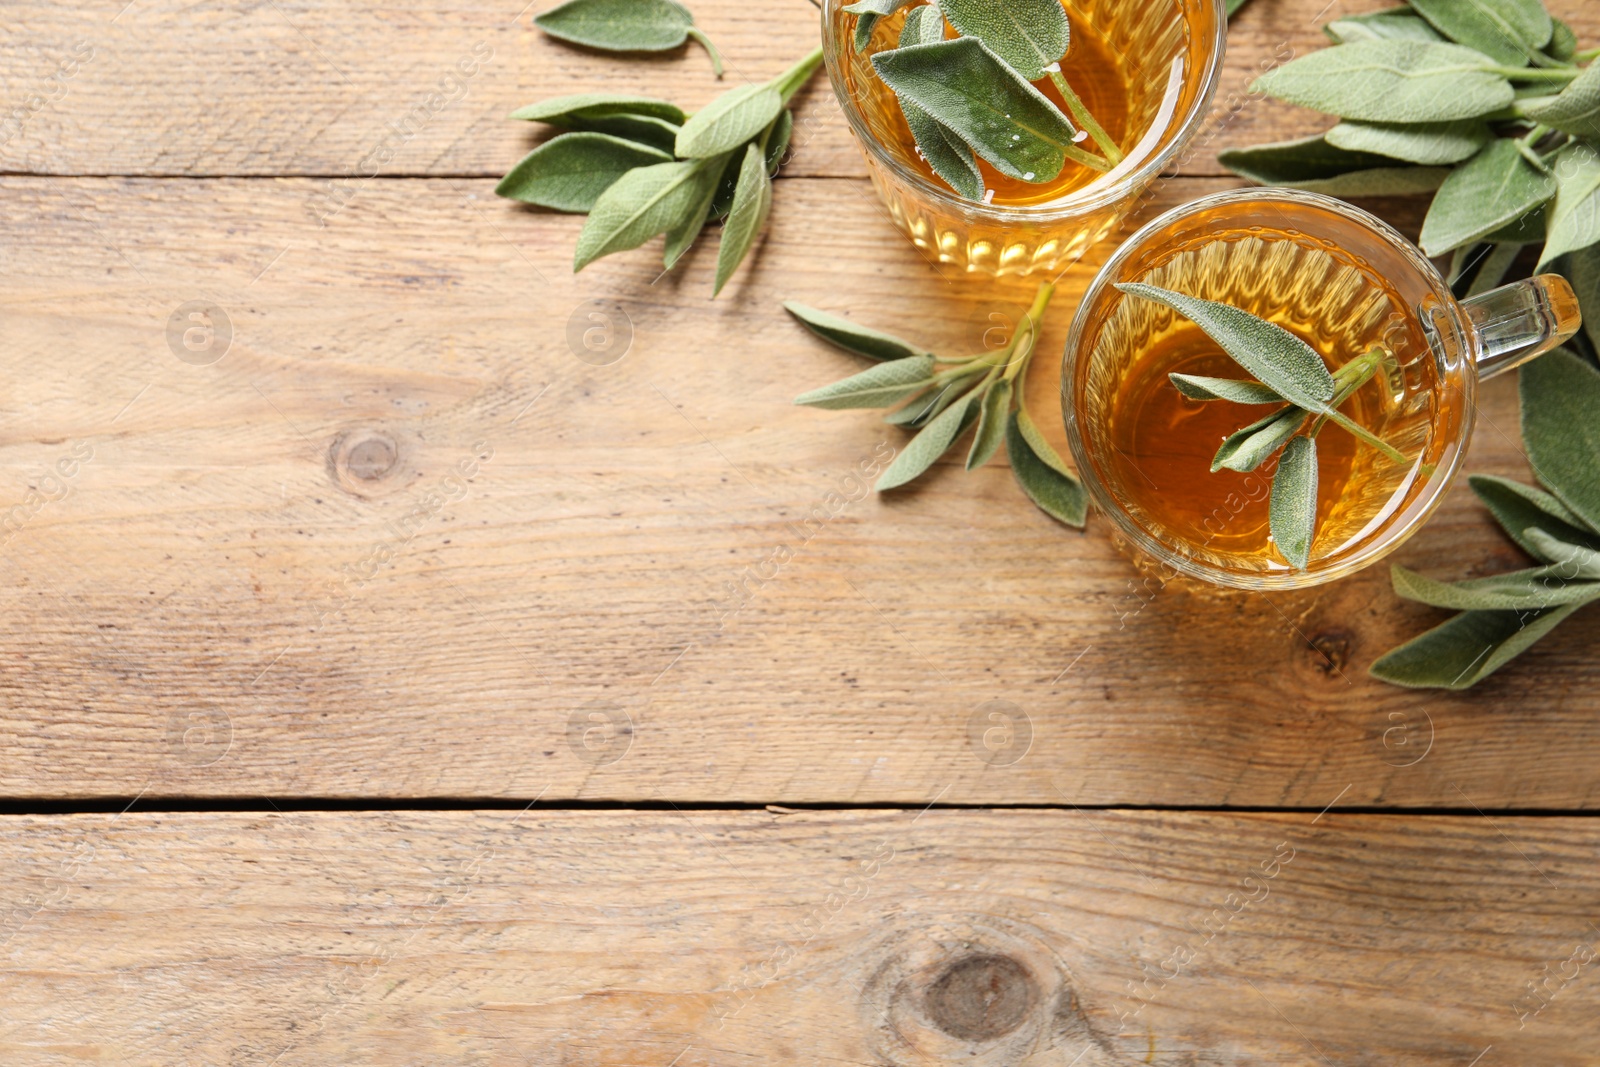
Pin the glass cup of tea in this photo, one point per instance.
(1346, 284)
(1145, 69)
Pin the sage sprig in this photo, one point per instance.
(626, 26)
(1289, 373)
(943, 397)
(1490, 104)
(641, 167)
(977, 95)
(1556, 523)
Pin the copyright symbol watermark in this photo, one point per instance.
(600, 734)
(599, 332)
(1000, 733)
(199, 333)
(199, 737)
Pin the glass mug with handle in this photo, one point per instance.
(1146, 70)
(1345, 283)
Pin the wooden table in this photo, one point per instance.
(386, 684)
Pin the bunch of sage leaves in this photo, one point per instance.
(943, 397)
(641, 167)
(974, 96)
(1288, 373)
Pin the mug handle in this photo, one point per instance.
(1517, 322)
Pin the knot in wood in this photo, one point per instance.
(981, 998)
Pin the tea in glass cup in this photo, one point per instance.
(1346, 284)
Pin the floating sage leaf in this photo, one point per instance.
(970, 90)
(729, 121)
(1561, 429)
(1494, 187)
(853, 337)
(930, 443)
(867, 13)
(751, 205)
(1391, 24)
(641, 204)
(1029, 35)
(1521, 508)
(1507, 31)
(1053, 490)
(1273, 355)
(924, 25)
(994, 411)
(1313, 164)
(625, 26)
(1575, 213)
(1427, 143)
(1246, 449)
(1467, 649)
(1292, 513)
(1569, 560)
(570, 172)
(950, 157)
(876, 387)
(1528, 590)
(1391, 81)
(1197, 387)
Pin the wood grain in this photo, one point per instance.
(661, 580)
(599, 938)
(341, 88)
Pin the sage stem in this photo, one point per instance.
(1086, 120)
(716, 56)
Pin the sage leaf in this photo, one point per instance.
(683, 234)
(950, 157)
(970, 90)
(1272, 355)
(1507, 31)
(570, 172)
(637, 118)
(924, 25)
(994, 412)
(1561, 429)
(1292, 512)
(729, 121)
(1528, 230)
(642, 203)
(1234, 6)
(1053, 490)
(1493, 269)
(865, 24)
(1563, 42)
(867, 13)
(876, 387)
(1030, 36)
(778, 142)
(853, 337)
(751, 205)
(1467, 649)
(930, 443)
(1582, 269)
(1391, 81)
(1576, 107)
(1036, 441)
(1519, 508)
(1313, 164)
(929, 406)
(1528, 590)
(1574, 562)
(1391, 24)
(1197, 387)
(625, 26)
(1494, 187)
(1575, 214)
(1246, 449)
(1427, 143)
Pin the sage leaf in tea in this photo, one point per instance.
(994, 411)
(1467, 649)
(924, 25)
(1494, 187)
(729, 121)
(1273, 355)
(1507, 31)
(1521, 509)
(1053, 490)
(1391, 24)
(1292, 512)
(931, 442)
(751, 204)
(626, 26)
(878, 386)
(853, 337)
(1029, 35)
(1392, 81)
(949, 156)
(868, 13)
(969, 89)
(1427, 143)
(1528, 590)
(570, 172)
(641, 204)
(1575, 214)
(1246, 449)
(1198, 387)
(1561, 429)
(1313, 164)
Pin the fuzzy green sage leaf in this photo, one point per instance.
(1575, 214)
(1053, 490)
(1198, 387)
(1507, 31)
(1313, 164)
(1392, 81)
(1467, 649)
(923, 450)
(1426, 143)
(994, 411)
(1561, 429)
(752, 202)
(625, 26)
(1292, 512)
(876, 387)
(729, 121)
(1576, 109)
(1029, 35)
(570, 172)
(643, 203)
(853, 337)
(1390, 24)
(1493, 188)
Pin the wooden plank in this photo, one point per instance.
(727, 938)
(333, 87)
(660, 579)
